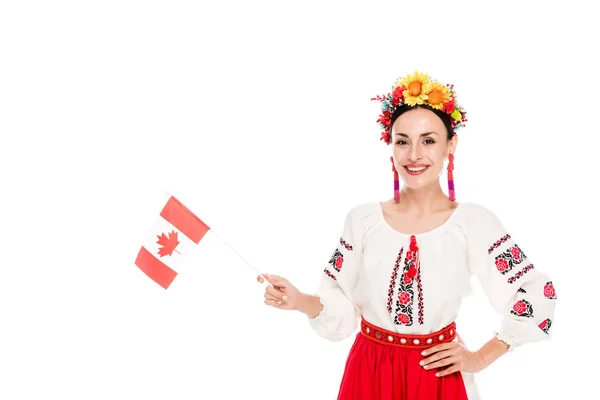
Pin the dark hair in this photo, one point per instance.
(441, 114)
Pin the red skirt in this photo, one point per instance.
(384, 365)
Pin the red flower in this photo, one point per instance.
(407, 279)
(543, 324)
(397, 95)
(501, 264)
(403, 318)
(412, 272)
(549, 291)
(338, 262)
(410, 255)
(520, 307)
(449, 107)
(515, 253)
(404, 298)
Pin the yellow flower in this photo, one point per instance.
(417, 87)
(438, 95)
(456, 114)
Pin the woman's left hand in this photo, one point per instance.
(452, 355)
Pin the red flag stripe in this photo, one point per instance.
(154, 268)
(184, 220)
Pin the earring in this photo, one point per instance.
(396, 182)
(451, 192)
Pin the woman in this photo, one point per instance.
(403, 265)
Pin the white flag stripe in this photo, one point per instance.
(180, 255)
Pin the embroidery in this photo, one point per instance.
(549, 291)
(522, 308)
(346, 244)
(545, 325)
(519, 274)
(393, 281)
(329, 274)
(336, 260)
(420, 294)
(521, 290)
(507, 260)
(405, 298)
(499, 242)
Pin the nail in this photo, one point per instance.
(437, 374)
(426, 366)
(422, 362)
(284, 298)
(424, 352)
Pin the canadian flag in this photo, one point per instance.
(172, 239)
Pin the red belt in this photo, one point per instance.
(384, 336)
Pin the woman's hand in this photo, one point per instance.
(281, 294)
(454, 356)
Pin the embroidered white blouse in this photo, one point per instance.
(418, 289)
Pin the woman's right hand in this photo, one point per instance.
(281, 293)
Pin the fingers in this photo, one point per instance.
(437, 356)
(273, 303)
(443, 362)
(278, 294)
(260, 279)
(439, 347)
(276, 280)
(455, 368)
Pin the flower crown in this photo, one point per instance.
(419, 88)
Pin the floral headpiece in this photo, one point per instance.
(419, 88)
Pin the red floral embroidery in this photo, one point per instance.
(522, 308)
(404, 319)
(404, 298)
(516, 253)
(509, 259)
(336, 260)
(393, 280)
(549, 291)
(406, 292)
(545, 325)
(501, 264)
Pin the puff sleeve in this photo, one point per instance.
(339, 317)
(517, 289)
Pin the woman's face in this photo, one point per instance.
(420, 146)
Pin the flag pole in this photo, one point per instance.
(168, 194)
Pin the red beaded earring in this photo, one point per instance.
(451, 192)
(396, 182)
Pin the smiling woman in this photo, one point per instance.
(401, 267)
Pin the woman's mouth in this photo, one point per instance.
(416, 170)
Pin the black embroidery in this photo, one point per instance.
(521, 290)
(393, 281)
(499, 242)
(545, 325)
(405, 297)
(506, 261)
(522, 308)
(329, 274)
(336, 260)
(346, 244)
(519, 274)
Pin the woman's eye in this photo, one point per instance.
(429, 141)
(401, 142)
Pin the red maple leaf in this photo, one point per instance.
(168, 243)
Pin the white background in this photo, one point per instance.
(257, 116)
